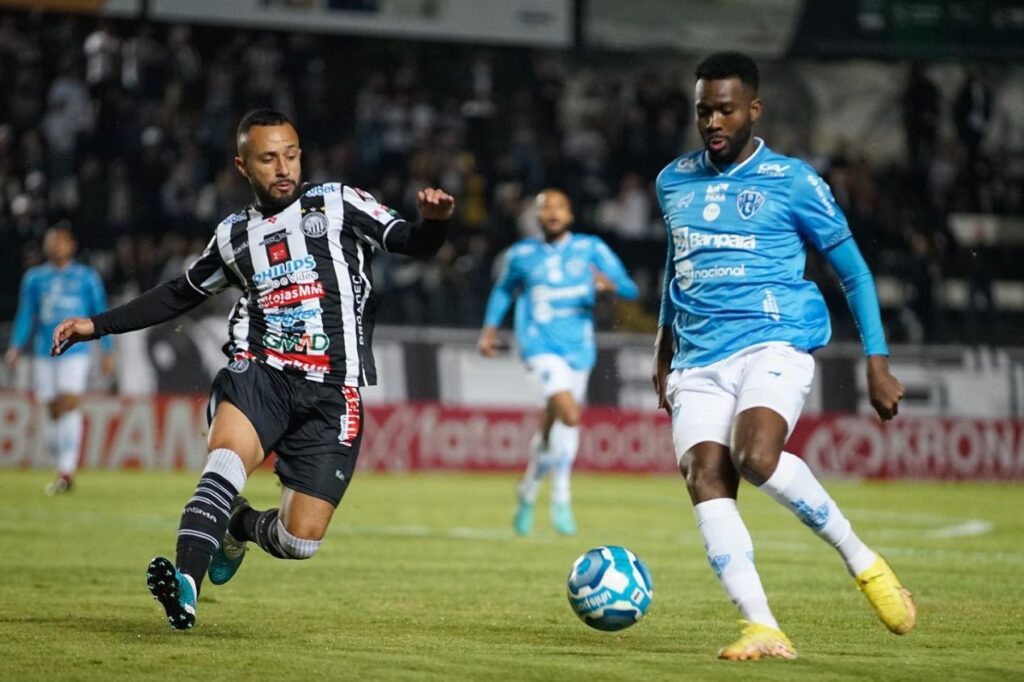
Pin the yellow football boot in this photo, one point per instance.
(758, 641)
(890, 600)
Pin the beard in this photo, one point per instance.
(270, 203)
(735, 146)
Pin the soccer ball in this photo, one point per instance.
(610, 588)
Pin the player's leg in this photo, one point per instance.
(72, 377)
(538, 466)
(44, 390)
(316, 462)
(565, 440)
(245, 411)
(775, 384)
(702, 406)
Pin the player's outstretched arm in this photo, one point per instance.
(161, 303)
(498, 304)
(664, 349)
(884, 390)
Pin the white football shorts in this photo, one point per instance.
(706, 400)
(56, 376)
(554, 375)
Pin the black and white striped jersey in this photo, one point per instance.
(306, 278)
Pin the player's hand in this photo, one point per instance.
(884, 390)
(602, 282)
(11, 357)
(107, 365)
(663, 351)
(435, 204)
(71, 331)
(488, 343)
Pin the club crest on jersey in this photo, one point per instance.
(314, 224)
(749, 202)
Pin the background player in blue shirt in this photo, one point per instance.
(738, 323)
(50, 292)
(554, 283)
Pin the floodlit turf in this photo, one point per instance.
(421, 578)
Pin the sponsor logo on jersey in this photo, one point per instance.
(749, 202)
(686, 240)
(819, 188)
(687, 275)
(276, 244)
(321, 190)
(685, 200)
(302, 343)
(291, 317)
(293, 266)
(711, 212)
(775, 170)
(244, 246)
(576, 267)
(236, 218)
(291, 295)
(716, 192)
(314, 224)
(688, 165)
(306, 363)
(350, 420)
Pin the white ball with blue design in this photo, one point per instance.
(610, 588)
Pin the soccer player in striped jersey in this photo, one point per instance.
(738, 325)
(49, 293)
(554, 282)
(301, 333)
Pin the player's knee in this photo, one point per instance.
(299, 546)
(755, 461)
(706, 477)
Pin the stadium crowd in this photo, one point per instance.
(126, 130)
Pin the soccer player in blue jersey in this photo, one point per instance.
(554, 283)
(50, 292)
(738, 325)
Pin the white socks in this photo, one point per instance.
(731, 555)
(68, 428)
(565, 442)
(227, 464)
(795, 487)
(557, 459)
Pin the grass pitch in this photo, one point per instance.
(421, 579)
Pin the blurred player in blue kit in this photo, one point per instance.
(50, 292)
(554, 283)
(737, 326)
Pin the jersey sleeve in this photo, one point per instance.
(666, 312)
(610, 264)
(97, 304)
(208, 274)
(28, 308)
(503, 292)
(859, 289)
(370, 220)
(815, 211)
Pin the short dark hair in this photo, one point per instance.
(721, 65)
(261, 117)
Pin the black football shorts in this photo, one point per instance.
(315, 429)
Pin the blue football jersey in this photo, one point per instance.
(553, 287)
(737, 240)
(48, 296)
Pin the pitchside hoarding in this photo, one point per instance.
(169, 432)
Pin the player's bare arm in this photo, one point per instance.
(884, 390)
(488, 343)
(664, 349)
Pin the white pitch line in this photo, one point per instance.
(968, 528)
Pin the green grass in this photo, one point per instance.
(421, 579)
